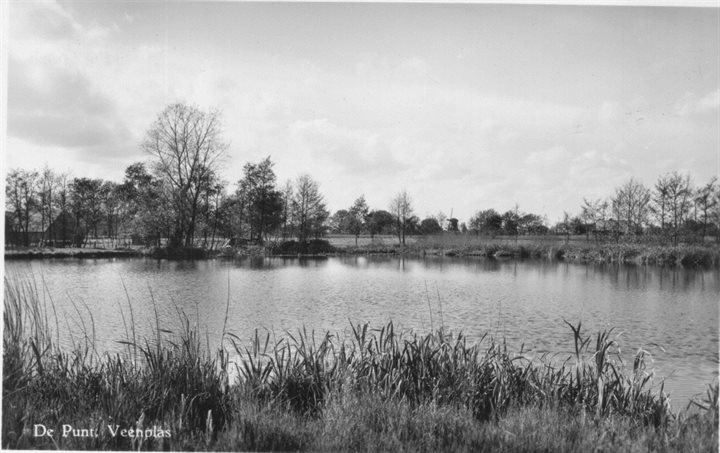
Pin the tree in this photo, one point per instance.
(441, 217)
(187, 146)
(213, 194)
(412, 226)
(589, 215)
(144, 209)
(714, 212)
(62, 202)
(264, 203)
(21, 199)
(109, 195)
(531, 224)
(631, 206)
(476, 223)
(401, 209)
(594, 214)
(679, 199)
(308, 208)
(229, 218)
(240, 218)
(660, 200)
(357, 217)
(86, 205)
(46, 190)
(380, 222)
(578, 226)
(565, 226)
(510, 222)
(486, 222)
(705, 201)
(338, 222)
(287, 215)
(430, 226)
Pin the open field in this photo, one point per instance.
(380, 389)
(345, 240)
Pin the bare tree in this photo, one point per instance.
(401, 209)
(109, 193)
(714, 212)
(590, 214)
(660, 201)
(705, 202)
(679, 200)
(287, 214)
(187, 145)
(62, 201)
(441, 217)
(631, 206)
(46, 191)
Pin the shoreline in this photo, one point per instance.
(43, 253)
(622, 253)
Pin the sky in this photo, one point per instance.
(465, 106)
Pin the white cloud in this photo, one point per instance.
(413, 68)
(349, 150)
(709, 102)
(609, 111)
(553, 156)
(691, 104)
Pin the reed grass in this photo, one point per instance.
(378, 389)
(466, 245)
(443, 369)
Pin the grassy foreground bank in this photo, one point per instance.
(376, 390)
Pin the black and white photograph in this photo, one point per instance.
(360, 226)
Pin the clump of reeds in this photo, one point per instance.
(440, 368)
(174, 382)
(688, 255)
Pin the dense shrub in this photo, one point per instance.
(312, 247)
(179, 253)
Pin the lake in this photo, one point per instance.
(670, 313)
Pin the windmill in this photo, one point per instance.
(452, 222)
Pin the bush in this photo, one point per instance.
(179, 253)
(313, 247)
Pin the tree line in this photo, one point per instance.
(673, 210)
(178, 199)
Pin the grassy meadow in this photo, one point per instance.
(378, 390)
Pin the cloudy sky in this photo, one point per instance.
(467, 106)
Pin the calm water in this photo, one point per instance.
(671, 313)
